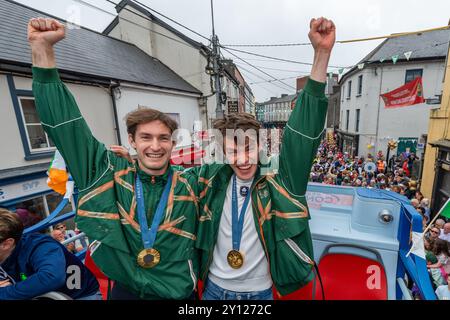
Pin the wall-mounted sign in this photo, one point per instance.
(23, 189)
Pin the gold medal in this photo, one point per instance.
(235, 259)
(148, 258)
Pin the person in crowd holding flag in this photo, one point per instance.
(34, 264)
(143, 214)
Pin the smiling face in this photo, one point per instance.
(242, 159)
(153, 144)
(240, 134)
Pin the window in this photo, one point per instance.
(360, 80)
(31, 211)
(343, 92)
(358, 111)
(413, 74)
(348, 119)
(349, 90)
(36, 136)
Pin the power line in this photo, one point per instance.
(394, 35)
(260, 77)
(269, 45)
(262, 71)
(170, 19)
(275, 80)
(260, 85)
(148, 29)
(284, 70)
(274, 58)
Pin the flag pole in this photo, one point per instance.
(437, 215)
(429, 225)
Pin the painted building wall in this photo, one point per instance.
(183, 107)
(95, 105)
(411, 121)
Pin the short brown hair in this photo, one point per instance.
(146, 115)
(244, 121)
(10, 225)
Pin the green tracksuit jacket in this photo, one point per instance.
(278, 198)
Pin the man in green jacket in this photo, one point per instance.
(143, 215)
(253, 232)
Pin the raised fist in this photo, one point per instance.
(42, 31)
(322, 34)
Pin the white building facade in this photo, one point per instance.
(366, 125)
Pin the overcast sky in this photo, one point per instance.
(273, 22)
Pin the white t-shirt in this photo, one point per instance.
(443, 236)
(254, 274)
(443, 293)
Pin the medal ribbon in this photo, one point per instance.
(237, 222)
(149, 235)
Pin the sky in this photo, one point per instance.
(273, 22)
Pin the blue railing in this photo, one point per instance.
(54, 219)
(414, 266)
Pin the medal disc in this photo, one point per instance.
(148, 258)
(235, 259)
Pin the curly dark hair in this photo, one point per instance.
(441, 246)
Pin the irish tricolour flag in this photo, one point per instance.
(57, 174)
(445, 210)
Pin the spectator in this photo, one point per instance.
(419, 195)
(431, 259)
(434, 233)
(415, 203)
(443, 291)
(445, 232)
(405, 167)
(79, 244)
(425, 203)
(440, 223)
(28, 215)
(35, 264)
(441, 251)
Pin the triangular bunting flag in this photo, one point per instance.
(408, 55)
(382, 59)
(330, 75)
(395, 58)
(360, 66)
(341, 70)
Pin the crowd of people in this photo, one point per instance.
(332, 166)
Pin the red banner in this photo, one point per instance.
(407, 95)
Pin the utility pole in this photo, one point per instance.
(216, 68)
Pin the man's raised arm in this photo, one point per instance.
(58, 112)
(303, 131)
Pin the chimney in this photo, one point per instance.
(284, 95)
(301, 82)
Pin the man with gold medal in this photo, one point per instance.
(253, 233)
(118, 197)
